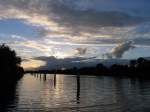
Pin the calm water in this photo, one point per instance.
(73, 94)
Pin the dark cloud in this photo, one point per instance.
(142, 41)
(75, 18)
(53, 63)
(69, 15)
(92, 20)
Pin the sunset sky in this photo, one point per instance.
(75, 30)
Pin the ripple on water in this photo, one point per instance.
(66, 94)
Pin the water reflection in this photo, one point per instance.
(54, 83)
(76, 93)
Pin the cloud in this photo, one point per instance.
(81, 51)
(80, 23)
(142, 41)
(49, 63)
(119, 50)
(32, 63)
(67, 17)
(54, 63)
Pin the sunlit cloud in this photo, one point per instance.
(77, 28)
(68, 19)
(32, 63)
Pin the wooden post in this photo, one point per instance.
(78, 88)
(44, 78)
(54, 80)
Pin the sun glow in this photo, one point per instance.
(62, 55)
(32, 64)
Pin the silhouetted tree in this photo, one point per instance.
(9, 64)
(140, 60)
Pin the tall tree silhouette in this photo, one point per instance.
(10, 68)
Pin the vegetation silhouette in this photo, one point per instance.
(10, 69)
(8, 97)
(136, 68)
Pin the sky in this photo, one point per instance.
(75, 30)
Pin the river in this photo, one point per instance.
(69, 93)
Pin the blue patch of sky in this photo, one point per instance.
(17, 27)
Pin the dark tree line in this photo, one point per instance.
(139, 67)
(10, 68)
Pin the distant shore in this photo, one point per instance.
(136, 68)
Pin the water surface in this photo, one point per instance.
(63, 93)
